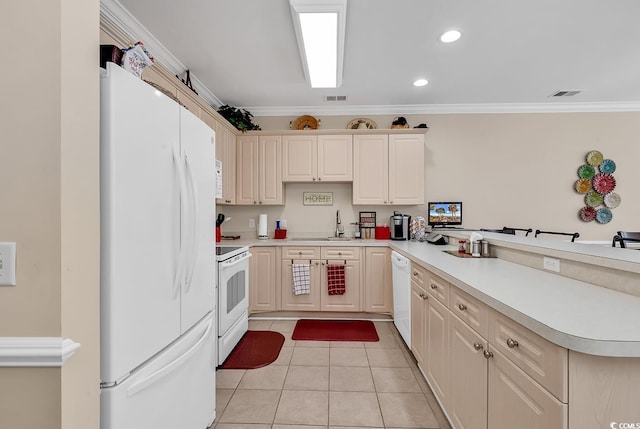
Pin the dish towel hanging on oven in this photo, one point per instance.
(301, 279)
(335, 279)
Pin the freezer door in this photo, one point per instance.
(199, 157)
(174, 390)
(139, 227)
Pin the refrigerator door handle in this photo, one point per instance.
(194, 226)
(145, 382)
(179, 276)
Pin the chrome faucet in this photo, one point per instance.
(339, 227)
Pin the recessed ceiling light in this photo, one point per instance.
(450, 36)
(420, 82)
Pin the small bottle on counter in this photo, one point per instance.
(475, 250)
(461, 246)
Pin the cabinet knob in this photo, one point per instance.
(319, 179)
(462, 307)
(423, 295)
(339, 253)
(385, 202)
(260, 202)
(511, 343)
(299, 253)
(314, 179)
(487, 354)
(390, 202)
(478, 346)
(415, 274)
(434, 286)
(254, 202)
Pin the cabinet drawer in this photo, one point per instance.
(340, 252)
(516, 400)
(301, 252)
(470, 310)
(542, 360)
(418, 275)
(438, 288)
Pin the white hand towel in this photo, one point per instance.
(301, 279)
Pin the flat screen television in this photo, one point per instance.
(445, 213)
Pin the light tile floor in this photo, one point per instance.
(318, 384)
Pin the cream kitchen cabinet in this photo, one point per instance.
(315, 158)
(226, 153)
(264, 276)
(300, 255)
(350, 258)
(419, 307)
(487, 370)
(259, 170)
(377, 286)
(388, 169)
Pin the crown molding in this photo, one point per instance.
(35, 351)
(435, 109)
(118, 20)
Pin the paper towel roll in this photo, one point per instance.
(262, 227)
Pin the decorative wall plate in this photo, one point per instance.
(612, 200)
(603, 215)
(586, 172)
(583, 186)
(362, 124)
(587, 214)
(594, 157)
(604, 183)
(593, 199)
(305, 122)
(607, 166)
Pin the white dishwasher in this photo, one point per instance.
(401, 271)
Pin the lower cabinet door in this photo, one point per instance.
(437, 347)
(419, 307)
(468, 377)
(516, 400)
(262, 279)
(304, 302)
(350, 300)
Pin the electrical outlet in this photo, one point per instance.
(551, 264)
(7, 264)
(252, 223)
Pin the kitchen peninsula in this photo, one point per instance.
(554, 350)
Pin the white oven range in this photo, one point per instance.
(233, 297)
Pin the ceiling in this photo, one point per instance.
(512, 54)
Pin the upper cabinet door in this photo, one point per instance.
(406, 169)
(270, 189)
(299, 155)
(371, 169)
(335, 158)
(246, 170)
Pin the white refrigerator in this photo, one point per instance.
(157, 285)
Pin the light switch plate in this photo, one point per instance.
(7, 264)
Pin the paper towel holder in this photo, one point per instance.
(263, 233)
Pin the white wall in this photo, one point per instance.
(513, 170)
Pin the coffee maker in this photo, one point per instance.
(399, 226)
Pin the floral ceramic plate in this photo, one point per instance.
(603, 215)
(594, 157)
(604, 183)
(593, 199)
(612, 200)
(587, 214)
(607, 166)
(583, 186)
(586, 172)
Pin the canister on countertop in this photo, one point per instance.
(467, 247)
(461, 245)
(475, 248)
(485, 248)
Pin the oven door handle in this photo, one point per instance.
(229, 264)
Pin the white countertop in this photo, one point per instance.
(570, 313)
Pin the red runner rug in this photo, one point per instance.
(335, 330)
(255, 350)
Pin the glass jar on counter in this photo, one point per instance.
(461, 245)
